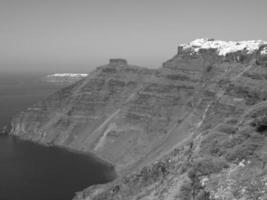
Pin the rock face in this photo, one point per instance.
(193, 129)
(117, 62)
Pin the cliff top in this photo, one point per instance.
(225, 47)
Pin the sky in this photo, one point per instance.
(78, 35)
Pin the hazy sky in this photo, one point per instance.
(77, 35)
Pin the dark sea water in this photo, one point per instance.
(32, 172)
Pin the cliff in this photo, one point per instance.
(193, 129)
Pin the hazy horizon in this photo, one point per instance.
(77, 36)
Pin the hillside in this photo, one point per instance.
(192, 129)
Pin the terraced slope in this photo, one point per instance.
(178, 132)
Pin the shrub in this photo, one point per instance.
(245, 149)
(185, 192)
(227, 129)
(260, 124)
(208, 165)
(203, 195)
(212, 142)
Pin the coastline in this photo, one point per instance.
(75, 151)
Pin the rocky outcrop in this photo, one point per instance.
(117, 62)
(175, 131)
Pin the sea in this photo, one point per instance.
(30, 171)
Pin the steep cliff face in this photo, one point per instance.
(82, 115)
(222, 155)
(225, 162)
(178, 130)
(121, 113)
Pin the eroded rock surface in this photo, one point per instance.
(193, 129)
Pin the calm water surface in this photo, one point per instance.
(32, 172)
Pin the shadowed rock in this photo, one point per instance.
(117, 62)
